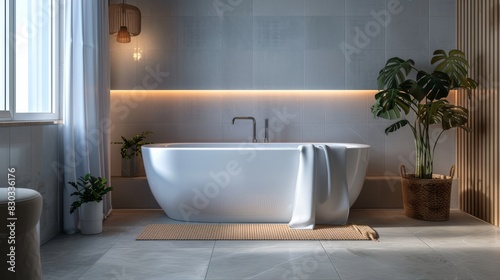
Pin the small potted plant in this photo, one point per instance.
(90, 191)
(421, 104)
(130, 151)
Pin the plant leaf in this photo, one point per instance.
(394, 72)
(395, 126)
(389, 103)
(435, 85)
(454, 64)
(454, 116)
(469, 84)
(414, 89)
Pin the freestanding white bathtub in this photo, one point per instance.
(239, 182)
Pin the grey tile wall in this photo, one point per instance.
(195, 41)
(32, 151)
(303, 116)
(275, 44)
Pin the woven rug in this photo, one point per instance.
(254, 232)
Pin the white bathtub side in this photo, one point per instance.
(223, 185)
(225, 182)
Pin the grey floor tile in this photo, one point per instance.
(461, 248)
(148, 263)
(270, 263)
(401, 263)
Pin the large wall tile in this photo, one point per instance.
(135, 110)
(400, 149)
(314, 133)
(411, 8)
(158, 33)
(408, 33)
(278, 7)
(231, 8)
(199, 132)
(237, 105)
(20, 151)
(196, 8)
(200, 33)
(239, 132)
(364, 33)
(347, 108)
(238, 33)
(278, 70)
(324, 69)
(287, 133)
(157, 71)
(280, 109)
(376, 140)
(324, 33)
(282, 33)
(363, 7)
(167, 8)
(201, 110)
(47, 186)
(324, 8)
(314, 106)
(169, 109)
(442, 33)
(238, 69)
(200, 69)
(443, 8)
(123, 69)
(44, 151)
(362, 71)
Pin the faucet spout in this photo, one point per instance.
(266, 131)
(254, 139)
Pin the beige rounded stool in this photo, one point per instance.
(19, 235)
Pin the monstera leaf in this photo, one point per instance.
(456, 66)
(394, 72)
(389, 103)
(435, 85)
(454, 116)
(395, 126)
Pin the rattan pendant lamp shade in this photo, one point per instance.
(125, 21)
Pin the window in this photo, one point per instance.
(30, 89)
(4, 100)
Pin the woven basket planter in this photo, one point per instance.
(427, 199)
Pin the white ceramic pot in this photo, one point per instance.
(91, 217)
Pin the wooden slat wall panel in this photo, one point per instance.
(478, 153)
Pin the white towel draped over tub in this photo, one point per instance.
(304, 207)
(317, 187)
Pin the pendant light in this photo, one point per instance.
(125, 21)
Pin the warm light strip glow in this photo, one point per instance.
(478, 152)
(244, 92)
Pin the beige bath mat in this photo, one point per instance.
(254, 232)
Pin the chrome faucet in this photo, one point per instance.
(254, 140)
(266, 131)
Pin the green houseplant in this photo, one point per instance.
(130, 151)
(421, 103)
(90, 191)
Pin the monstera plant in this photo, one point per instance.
(421, 102)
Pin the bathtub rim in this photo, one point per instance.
(248, 145)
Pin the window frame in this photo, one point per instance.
(10, 114)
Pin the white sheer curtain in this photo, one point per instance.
(86, 98)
